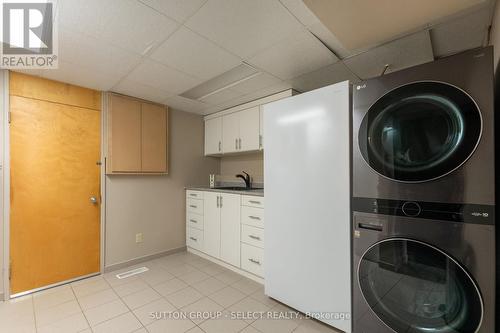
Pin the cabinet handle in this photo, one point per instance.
(193, 206)
(254, 261)
(218, 201)
(220, 146)
(236, 144)
(254, 237)
(260, 141)
(193, 195)
(194, 221)
(254, 217)
(194, 239)
(254, 202)
(221, 201)
(239, 142)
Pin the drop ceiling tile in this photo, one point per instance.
(90, 52)
(191, 53)
(260, 81)
(466, 32)
(313, 24)
(186, 104)
(179, 10)
(402, 53)
(128, 24)
(322, 77)
(81, 76)
(294, 56)
(139, 90)
(244, 27)
(156, 75)
(221, 97)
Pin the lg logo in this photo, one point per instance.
(27, 28)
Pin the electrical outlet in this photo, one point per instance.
(138, 237)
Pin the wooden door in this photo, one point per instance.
(213, 136)
(124, 135)
(249, 129)
(230, 132)
(211, 223)
(230, 228)
(154, 138)
(54, 155)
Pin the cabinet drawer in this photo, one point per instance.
(194, 238)
(252, 201)
(194, 220)
(194, 206)
(252, 216)
(252, 235)
(252, 259)
(194, 194)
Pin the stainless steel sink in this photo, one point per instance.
(236, 188)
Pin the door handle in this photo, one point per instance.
(93, 200)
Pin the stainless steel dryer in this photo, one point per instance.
(424, 199)
(427, 133)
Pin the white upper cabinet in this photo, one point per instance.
(239, 129)
(230, 132)
(261, 127)
(213, 136)
(249, 129)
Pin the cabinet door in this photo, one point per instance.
(261, 127)
(211, 221)
(230, 132)
(213, 136)
(249, 129)
(154, 138)
(124, 135)
(230, 227)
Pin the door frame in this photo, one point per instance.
(5, 185)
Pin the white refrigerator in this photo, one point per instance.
(307, 257)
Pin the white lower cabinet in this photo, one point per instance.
(252, 259)
(230, 228)
(211, 223)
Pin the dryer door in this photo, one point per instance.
(420, 131)
(414, 287)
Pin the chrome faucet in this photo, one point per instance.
(246, 179)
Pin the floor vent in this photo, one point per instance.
(132, 272)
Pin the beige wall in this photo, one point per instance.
(251, 163)
(155, 205)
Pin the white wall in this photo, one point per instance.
(155, 205)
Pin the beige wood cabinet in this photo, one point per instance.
(137, 136)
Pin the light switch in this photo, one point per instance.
(138, 237)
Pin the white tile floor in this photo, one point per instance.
(179, 284)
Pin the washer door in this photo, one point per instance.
(415, 288)
(420, 131)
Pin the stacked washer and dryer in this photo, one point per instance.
(424, 199)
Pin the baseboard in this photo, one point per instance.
(226, 265)
(136, 261)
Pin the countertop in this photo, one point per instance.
(255, 192)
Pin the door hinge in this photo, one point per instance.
(9, 117)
